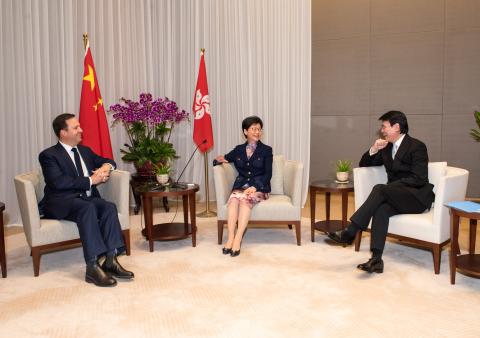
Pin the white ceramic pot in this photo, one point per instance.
(342, 176)
(162, 178)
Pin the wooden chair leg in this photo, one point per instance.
(36, 261)
(290, 226)
(358, 240)
(437, 256)
(220, 231)
(126, 239)
(298, 232)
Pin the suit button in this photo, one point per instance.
(248, 163)
(248, 179)
(249, 173)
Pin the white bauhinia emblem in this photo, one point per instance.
(202, 105)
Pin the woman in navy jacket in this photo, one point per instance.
(253, 161)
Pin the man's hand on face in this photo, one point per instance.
(378, 145)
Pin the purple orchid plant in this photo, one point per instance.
(149, 124)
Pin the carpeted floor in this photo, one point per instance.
(273, 289)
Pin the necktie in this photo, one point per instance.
(394, 152)
(78, 163)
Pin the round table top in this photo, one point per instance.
(331, 185)
(156, 189)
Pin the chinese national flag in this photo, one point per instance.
(92, 116)
(202, 126)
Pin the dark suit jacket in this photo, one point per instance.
(256, 171)
(62, 184)
(409, 169)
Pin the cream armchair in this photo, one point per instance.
(430, 229)
(48, 234)
(282, 207)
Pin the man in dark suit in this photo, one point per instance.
(71, 173)
(406, 192)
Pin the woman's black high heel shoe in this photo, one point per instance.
(234, 253)
(227, 251)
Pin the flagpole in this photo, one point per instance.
(85, 40)
(207, 212)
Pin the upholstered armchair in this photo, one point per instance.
(50, 234)
(282, 207)
(430, 229)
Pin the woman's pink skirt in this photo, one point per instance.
(250, 199)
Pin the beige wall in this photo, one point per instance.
(418, 56)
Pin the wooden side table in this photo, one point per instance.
(467, 264)
(170, 231)
(3, 258)
(136, 182)
(327, 187)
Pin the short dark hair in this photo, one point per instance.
(395, 116)
(247, 122)
(60, 122)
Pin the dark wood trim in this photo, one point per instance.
(297, 224)
(3, 257)
(435, 248)
(38, 251)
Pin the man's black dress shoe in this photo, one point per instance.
(97, 276)
(235, 253)
(113, 267)
(226, 251)
(341, 237)
(373, 265)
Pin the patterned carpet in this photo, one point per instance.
(273, 289)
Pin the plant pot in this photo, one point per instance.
(145, 170)
(342, 176)
(162, 178)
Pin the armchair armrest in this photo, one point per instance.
(117, 190)
(28, 204)
(364, 179)
(223, 175)
(293, 181)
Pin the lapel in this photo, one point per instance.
(85, 159)
(66, 159)
(403, 148)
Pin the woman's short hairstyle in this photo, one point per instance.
(249, 121)
(395, 116)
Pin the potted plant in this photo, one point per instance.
(149, 124)
(162, 172)
(476, 132)
(343, 168)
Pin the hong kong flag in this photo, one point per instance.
(202, 125)
(92, 116)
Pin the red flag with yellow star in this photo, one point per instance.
(92, 116)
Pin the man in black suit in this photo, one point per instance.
(406, 192)
(71, 173)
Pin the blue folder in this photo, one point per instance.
(466, 206)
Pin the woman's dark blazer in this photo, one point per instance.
(256, 171)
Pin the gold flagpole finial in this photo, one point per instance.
(202, 50)
(85, 40)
